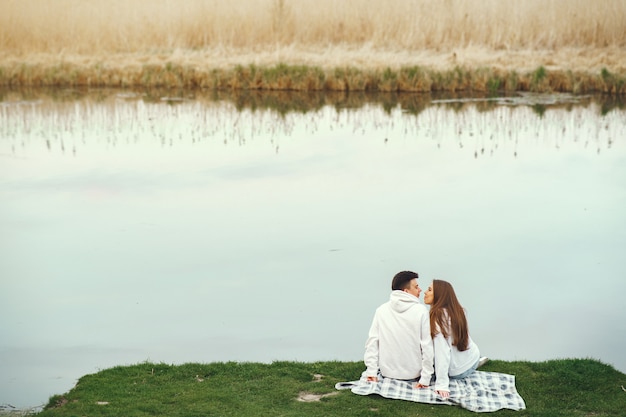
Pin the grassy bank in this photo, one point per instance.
(552, 388)
(283, 77)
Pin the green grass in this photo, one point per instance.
(284, 77)
(569, 387)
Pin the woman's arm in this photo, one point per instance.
(442, 362)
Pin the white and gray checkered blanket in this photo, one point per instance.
(480, 392)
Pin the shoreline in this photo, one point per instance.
(9, 410)
(335, 68)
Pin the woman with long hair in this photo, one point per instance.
(456, 354)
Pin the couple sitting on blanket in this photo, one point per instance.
(408, 342)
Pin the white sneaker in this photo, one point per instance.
(483, 360)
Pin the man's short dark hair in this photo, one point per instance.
(403, 279)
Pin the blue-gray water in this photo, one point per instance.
(195, 232)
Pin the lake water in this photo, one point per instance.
(140, 228)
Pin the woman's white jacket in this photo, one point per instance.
(450, 361)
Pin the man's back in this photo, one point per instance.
(399, 342)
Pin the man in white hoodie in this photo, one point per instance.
(399, 345)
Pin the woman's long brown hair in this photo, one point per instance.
(445, 300)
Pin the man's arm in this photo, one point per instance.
(371, 352)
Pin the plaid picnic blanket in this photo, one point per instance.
(480, 392)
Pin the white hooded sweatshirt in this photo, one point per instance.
(399, 342)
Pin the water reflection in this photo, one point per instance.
(302, 102)
(125, 117)
(178, 228)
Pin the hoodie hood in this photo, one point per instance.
(401, 301)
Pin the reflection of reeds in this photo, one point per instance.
(73, 124)
(288, 101)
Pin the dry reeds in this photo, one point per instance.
(114, 26)
(404, 45)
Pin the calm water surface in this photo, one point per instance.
(188, 231)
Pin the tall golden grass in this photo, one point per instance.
(506, 35)
(88, 26)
